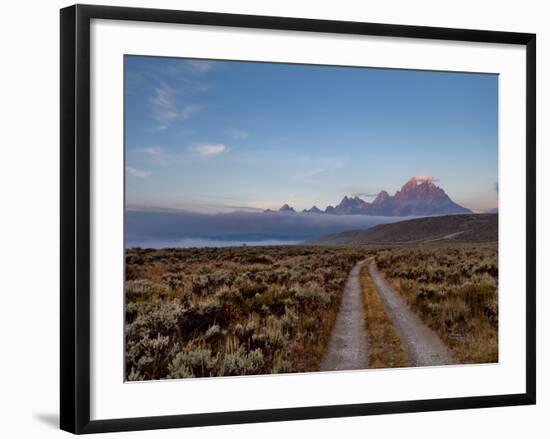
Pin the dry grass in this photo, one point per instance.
(231, 311)
(454, 289)
(385, 345)
(243, 311)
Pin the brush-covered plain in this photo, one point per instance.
(209, 312)
(454, 289)
(237, 311)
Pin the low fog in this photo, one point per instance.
(164, 228)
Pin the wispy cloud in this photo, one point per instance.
(210, 150)
(423, 178)
(236, 207)
(137, 172)
(188, 110)
(200, 66)
(157, 153)
(364, 194)
(166, 109)
(312, 173)
(236, 133)
(324, 165)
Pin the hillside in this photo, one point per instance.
(448, 228)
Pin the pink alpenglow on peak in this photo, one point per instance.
(419, 196)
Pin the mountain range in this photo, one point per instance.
(418, 196)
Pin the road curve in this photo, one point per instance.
(424, 347)
(348, 345)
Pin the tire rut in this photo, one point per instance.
(348, 344)
(423, 345)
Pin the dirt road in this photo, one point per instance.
(424, 347)
(348, 344)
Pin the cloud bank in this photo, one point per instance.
(149, 227)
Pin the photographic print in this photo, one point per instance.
(285, 218)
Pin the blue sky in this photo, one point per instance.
(216, 136)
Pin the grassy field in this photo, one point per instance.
(469, 228)
(238, 311)
(454, 289)
(260, 310)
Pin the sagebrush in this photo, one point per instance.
(454, 289)
(239, 311)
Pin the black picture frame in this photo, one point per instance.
(75, 217)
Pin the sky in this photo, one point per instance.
(222, 136)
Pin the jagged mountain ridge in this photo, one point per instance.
(286, 208)
(416, 197)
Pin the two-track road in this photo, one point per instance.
(348, 347)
